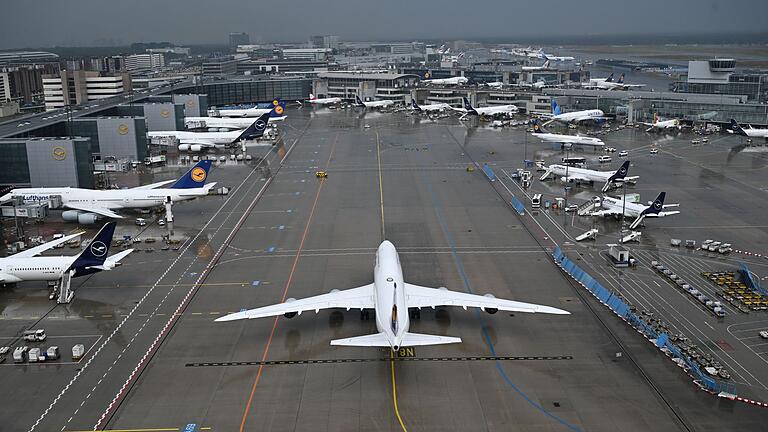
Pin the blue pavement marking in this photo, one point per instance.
(256, 283)
(290, 210)
(297, 193)
(271, 249)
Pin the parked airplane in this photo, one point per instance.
(748, 132)
(659, 124)
(494, 84)
(567, 141)
(609, 84)
(459, 80)
(323, 101)
(594, 115)
(373, 104)
(429, 107)
(571, 174)
(27, 266)
(544, 66)
(391, 297)
(638, 211)
(87, 204)
(198, 141)
(276, 110)
(232, 123)
(496, 110)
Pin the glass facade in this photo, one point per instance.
(245, 92)
(13, 157)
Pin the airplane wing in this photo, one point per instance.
(664, 213)
(354, 298)
(579, 178)
(45, 246)
(98, 210)
(154, 185)
(605, 213)
(191, 141)
(419, 296)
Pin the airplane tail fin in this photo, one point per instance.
(257, 128)
(555, 108)
(657, 205)
(736, 128)
(546, 64)
(621, 79)
(279, 108)
(618, 176)
(195, 177)
(358, 101)
(537, 127)
(468, 106)
(415, 105)
(96, 253)
(312, 97)
(610, 78)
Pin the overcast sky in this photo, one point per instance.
(87, 22)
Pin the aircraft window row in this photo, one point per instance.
(36, 268)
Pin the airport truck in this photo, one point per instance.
(35, 335)
(78, 351)
(20, 354)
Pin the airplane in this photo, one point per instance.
(373, 104)
(391, 297)
(323, 101)
(495, 110)
(277, 110)
(232, 123)
(544, 66)
(88, 204)
(659, 124)
(749, 132)
(595, 115)
(558, 58)
(609, 84)
(638, 211)
(429, 107)
(567, 141)
(583, 175)
(26, 266)
(199, 141)
(459, 80)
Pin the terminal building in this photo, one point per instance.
(718, 76)
(46, 162)
(368, 86)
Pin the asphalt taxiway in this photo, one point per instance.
(158, 360)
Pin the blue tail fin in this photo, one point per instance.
(656, 205)
(279, 108)
(96, 253)
(736, 128)
(610, 78)
(555, 108)
(257, 128)
(537, 127)
(358, 101)
(621, 79)
(415, 105)
(621, 172)
(195, 177)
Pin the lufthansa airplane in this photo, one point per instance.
(583, 175)
(27, 266)
(638, 211)
(88, 204)
(199, 141)
(566, 141)
(391, 297)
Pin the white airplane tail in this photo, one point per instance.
(409, 340)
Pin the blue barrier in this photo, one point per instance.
(750, 280)
(489, 172)
(518, 205)
(622, 309)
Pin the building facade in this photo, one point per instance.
(46, 162)
(144, 61)
(76, 87)
(238, 38)
(368, 86)
(718, 76)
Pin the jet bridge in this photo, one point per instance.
(632, 236)
(589, 235)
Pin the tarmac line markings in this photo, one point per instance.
(287, 286)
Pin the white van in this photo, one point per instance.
(536, 201)
(604, 159)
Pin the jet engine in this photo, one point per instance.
(290, 314)
(183, 147)
(490, 310)
(79, 217)
(195, 148)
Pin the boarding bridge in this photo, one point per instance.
(65, 293)
(545, 175)
(586, 208)
(589, 235)
(632, 236)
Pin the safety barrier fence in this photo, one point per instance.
(518, 205)
(489, 172)
(624, 311)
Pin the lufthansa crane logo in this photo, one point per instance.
(536, 127)
(275, 102)
(198, 174)
(279, 110)
(657, 205)
(59, 153)
(98, 249)
(122, 129)
(622, 171)
(165, 113)
(190, 103)
(260, 124)
(427, 75)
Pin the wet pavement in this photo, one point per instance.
(157, 360)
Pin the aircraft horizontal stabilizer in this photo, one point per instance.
(418, 339)
(371, 340)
